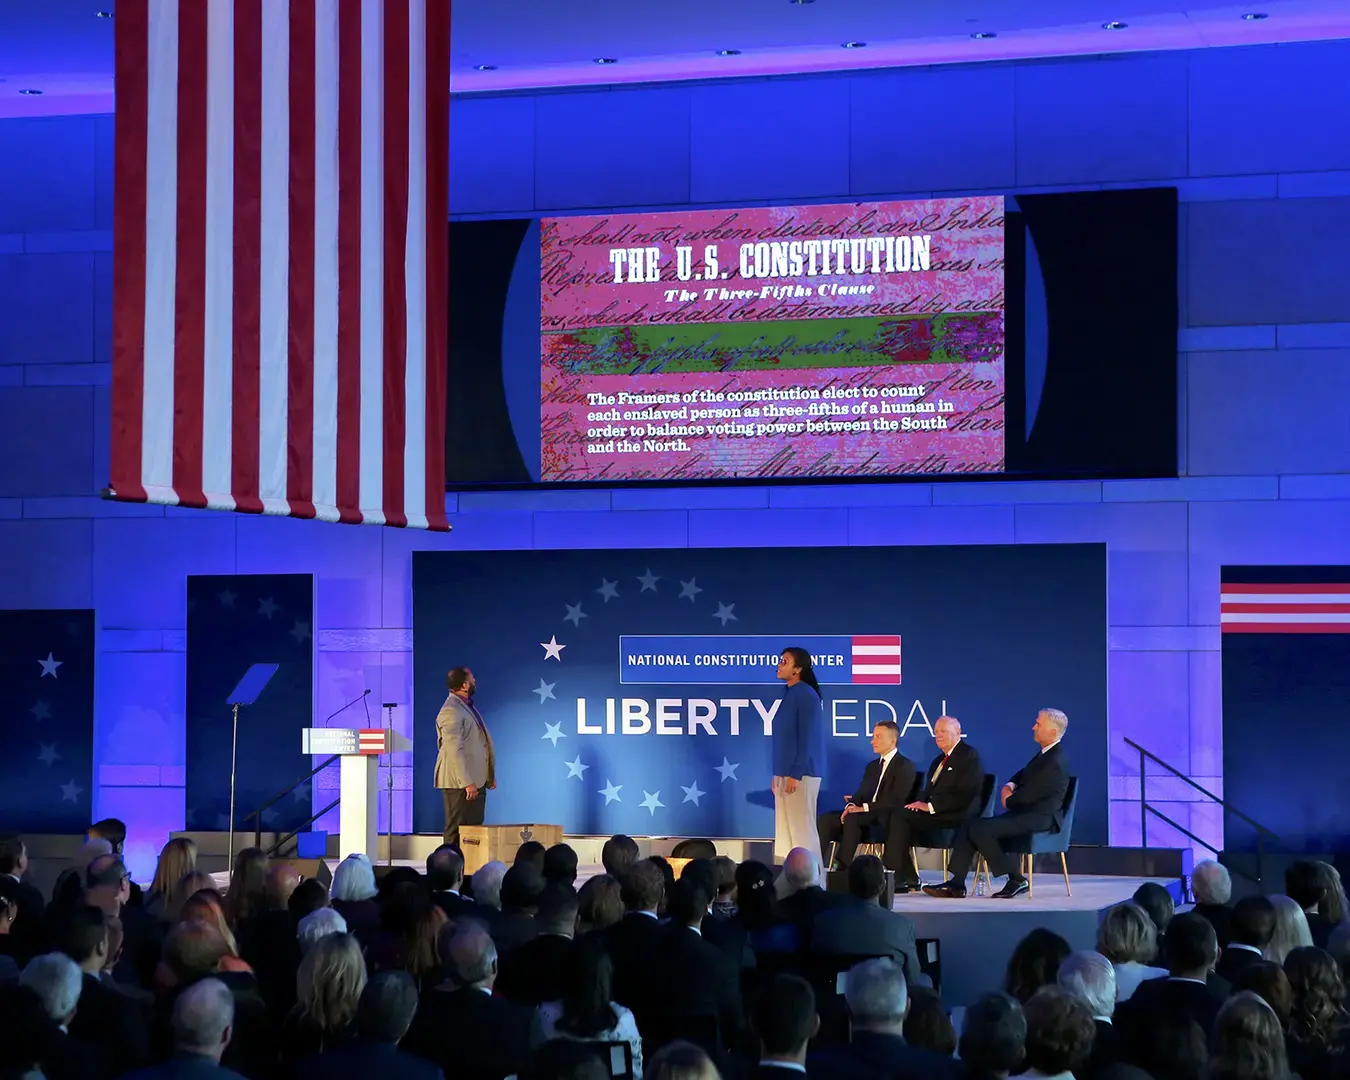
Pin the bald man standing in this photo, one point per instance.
(951, 794)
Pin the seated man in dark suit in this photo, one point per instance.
(950, 796)
(445, 876)
(803, 895)
(1250, 929)
(459, 1025)
(878, 1001)
(1091, 977)
(886, 784)
(784, 1018)
(560, 867)
(1192, 950)
(533, 972)
(27, 932)
(1213, 888)
(106, 1017)
(57, 982)
(633, 938)
(383, 1016)
(522, 889)
(1034, 801)
(203, 1020)
(864, 927)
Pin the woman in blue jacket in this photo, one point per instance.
(798, 755)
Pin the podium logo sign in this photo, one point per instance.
(740, 660)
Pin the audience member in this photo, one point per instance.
(532, 973)
(1192, 950)
(191, 884)
(1250, 929)
(1318, 1025)
(1338, 946)
(114, 831)
(724, 907)
(879, 1006)
(564, 1059)
(459, 1025)
(560, 866)
(729, 937)
(757, 910)
(1129, 939)
(1306, 884)
(268, 941)
(802, 895)
(10, 947)
(599, 904)
(487, 888)
(1090, 977)
(206, 906)
(864, 927)
(618, 855)
(58, 982)
(1292, 930)
(203, 1028)
(993, 1038)
(310, 895)
(26, 929)
(1268, 981)
(1213, 889)
(108, 888)
(409, 923)
(328, 987)
(632, 940)
(1034, 963)
(1157, 901)
(27, 1031)
(445, 877)
(531, 853)
(106, 1017)
(522, 889)
(785, 1021)
(383, 1015)
(1247, 1043)
(353, 896)
(1332, 906)
(928, 1027)
(585, 1009)
(177, 859)
(681, 1061)
(247, 894)
(1060, 1034)
(667, 879)
(69, 885)
(1175, 1048)
(318, 925)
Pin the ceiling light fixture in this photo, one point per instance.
(1255, 16)
(31, 92)
(1114, 26)
(605, 60)
(984, 35)
(728, 52)
(485, 67)
(854, 45)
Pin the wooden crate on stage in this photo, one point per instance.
(482, 844)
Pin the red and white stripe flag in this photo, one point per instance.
(372, 741)
(280, 249)
(876, 659)
(1285, 608)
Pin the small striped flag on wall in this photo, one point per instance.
(876, 658)
(1285, 600)
(280, 248)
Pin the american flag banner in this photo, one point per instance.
(1285, 600)
(876, 658)
(280, 257)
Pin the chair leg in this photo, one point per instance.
(834, 849)
(1031, 874)
(945, 862)
(1064, 865)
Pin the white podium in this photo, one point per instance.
(358, 810)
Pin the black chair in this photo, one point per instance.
(825, 972)
(1055, 842)
(945, 839)
(930, 959)
(617, 1056)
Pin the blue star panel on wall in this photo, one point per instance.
(630, 691)
(234, 621)
(47, 691)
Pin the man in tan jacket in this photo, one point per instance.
(465, 760)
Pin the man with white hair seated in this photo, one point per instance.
(487, 885)
(202, 1025)
(802, 893)
(316, 925)
(878, 1001)
(1091, 976)
(56, 980)
(1213, 888)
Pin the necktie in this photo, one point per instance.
(942, 765)
(880, 778)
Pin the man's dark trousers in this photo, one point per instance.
(985, 835)
(461, 810)
(901, 831)
(849, 833)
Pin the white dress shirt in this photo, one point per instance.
(885, 764)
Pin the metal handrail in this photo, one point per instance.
(1145, 809)
(300, 828)
(257, 814)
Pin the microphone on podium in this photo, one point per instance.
(364, 694)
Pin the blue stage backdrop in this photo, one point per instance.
(631, 691)
(1286, 680)
(234, 621)
(47, 750)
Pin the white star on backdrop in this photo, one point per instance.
(552, 650)
(692, 794)
(300, 631)
(611, 792)
(545, 691)
(574, 614)
(576, 768)
(553, 732)
(728, 770)
(648, 581)
(725, 612)
(608, 589)
(49, 666)
(41, 711)
(689, 589)
(652, 802)
(49, 756)
(71, 792)
(227, 598)
(267, 606)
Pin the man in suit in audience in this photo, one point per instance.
(950, 797)
(1304, 885)
(445, 876)
(864, 927)
(114, 830)
(784, 1017)
(1034, 801)
(878, 1001)
(383, 1016)
(1092, 978)
(886, 784)
(1192, 951)
(107, 886)
(106, 1017)
(803, 895)
(731, 937)
(27, 930)
(533, 973)
(459, 1025)
(1249, 931)
(618, 855)
(1213, 888)
(632, 940)
(57, 982)
(203, 1024)
(522, 889)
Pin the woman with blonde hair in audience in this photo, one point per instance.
(328, 989)
(188, 885)
(1128, 938)
(1319, 1027)
(599, 904)
(682, 1061)
(247, 894)
(1247, 1043)
(177, 859)
(1332, 906)
(1291, 929)
(206, 906)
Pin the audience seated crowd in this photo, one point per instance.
(722, 971)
